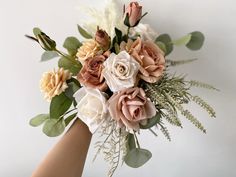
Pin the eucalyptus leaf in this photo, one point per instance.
(151, 122)
(84, 33)
(70, 118)
(59, 105)
(183, 41)
(54, 127)
(67, 64)
(137, 157)
(162, 46)
(48, 55)
(130, 142)
(38, 120)
(165, 39)
(72, 44)
(70, 91)
(197, 41)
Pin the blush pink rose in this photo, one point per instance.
(130, 107)
(134, 12)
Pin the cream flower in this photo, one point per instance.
(120, 71)
(89, 48)
(91, 106)
(145, 31)
(54, 83)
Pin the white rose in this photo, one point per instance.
(120, 71)
(91, 106)
(145, 32)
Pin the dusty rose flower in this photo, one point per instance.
(91, 73)
(54, 82)
(150, 57)
(134, 12)
(89, 49)
(130, 107)
(103, 39)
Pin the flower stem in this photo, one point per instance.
(67, 57)
(136, 139)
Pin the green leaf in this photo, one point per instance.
(182, 41)
(36, 31)
(38, 120)
(59, 105)
(137, 157)
(165, 39)
(53, 127)
(72, 88)
(70, 118)
(67, 64)
(118, 35)
(48, 55)
(197, 41)
(130, 142)
(151, 122)
(162, 46)
(72, 44)
(84, 33)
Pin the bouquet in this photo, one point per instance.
(117, 81)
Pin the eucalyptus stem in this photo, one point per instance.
(136, 139)
(68, 58)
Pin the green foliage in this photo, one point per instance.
(38, 120)
(204, 105)
(54, 127)
(130, 142)
(72, 88)
(151, 122)
(70, 118)
(183, 41)
(196, 42)
(179, 62)
(194, 83)
(137, 157)
(69, 65)
(59, 105)
(48, 55)
(165, 40)
(72, 44)
(84, 33)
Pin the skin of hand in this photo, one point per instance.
(67, 157)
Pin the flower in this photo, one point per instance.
(103, 39)
(145, 32)
(91, 73)
(150, 57)
(91, 107)
(54, 83)
(120, 71)
(134, 13)
(89, 48)
(130, 107)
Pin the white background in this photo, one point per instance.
(190, 154)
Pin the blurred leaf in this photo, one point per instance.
(36, 31)
(59, 105)
(161, 45)
(197, 41)
(84, 33)
(165, 38)
(182, 41)
(70, 118)
(48, 55)
(38, 120)
(70, 91)
(72, 44)
(130, 142)
(151, 122)
(67, 64)
(54, 127)
(137, 157)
